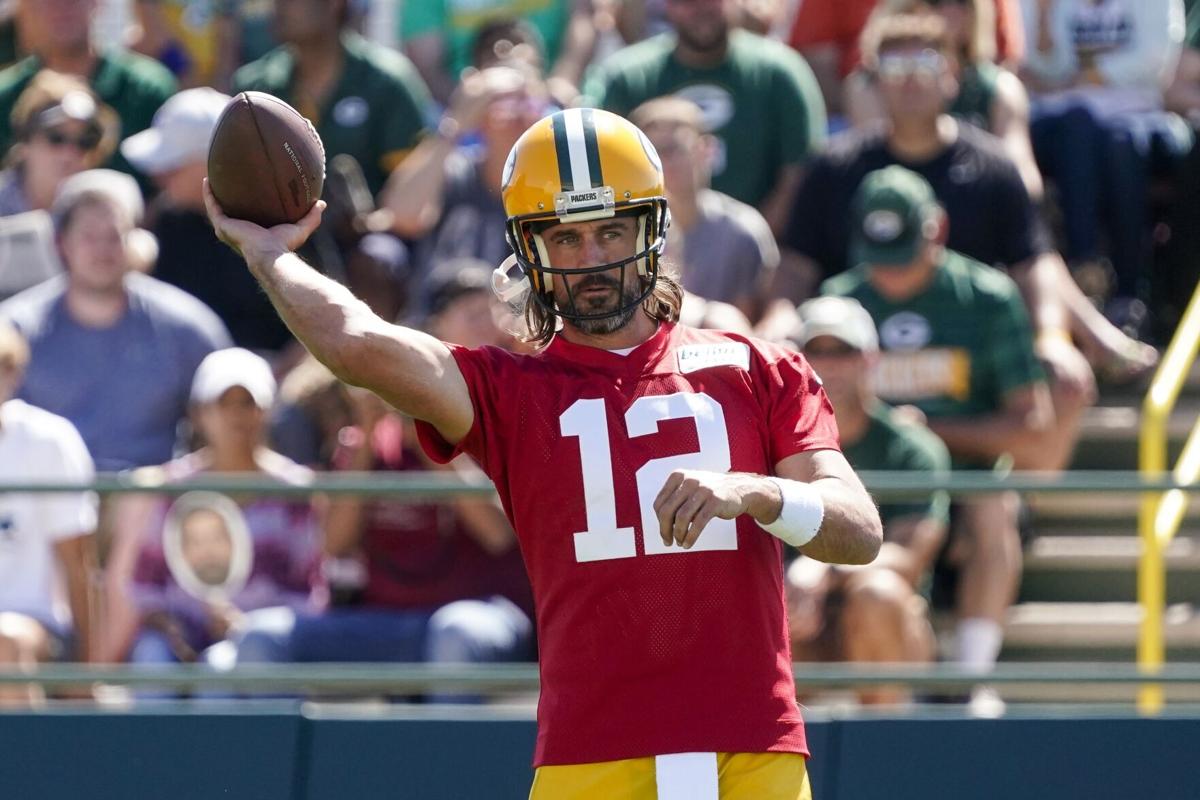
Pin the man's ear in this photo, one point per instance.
(937, 227)
(709, 147)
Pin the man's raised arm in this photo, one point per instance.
(409, 369)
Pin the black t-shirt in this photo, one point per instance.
(992, 218)
(192, 258)
(471, 226)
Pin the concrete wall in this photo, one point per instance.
(279, 755)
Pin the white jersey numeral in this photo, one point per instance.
(603, 539)
(587, 420)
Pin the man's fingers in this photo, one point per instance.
(312, 220)
(686, 511)
(666, 514)
(666, 517)
(668, 489)
(210, 205)
(699, 521)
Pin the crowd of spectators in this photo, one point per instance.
(967, 214)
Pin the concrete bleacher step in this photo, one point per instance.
(1059, 631)
(1103, 568)
(1107, 513)
(1109, 432)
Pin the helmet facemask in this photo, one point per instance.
(525, 237)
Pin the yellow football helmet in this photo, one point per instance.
(577, 165)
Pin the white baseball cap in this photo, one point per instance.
(118, 186)
(221, 370)
(843, 318)
(180, 133)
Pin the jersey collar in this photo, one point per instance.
(648, 352)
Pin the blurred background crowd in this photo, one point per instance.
(968, 214)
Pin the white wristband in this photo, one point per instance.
(801, 514)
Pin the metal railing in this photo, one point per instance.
(400, 679)
(423, 487)
(1162, 505)
(1160, 513)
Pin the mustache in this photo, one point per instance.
(597, 280)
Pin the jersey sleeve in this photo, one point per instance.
(407, 112)
(483, 441)
(1013, 360)
(922, 452)
(799, 415)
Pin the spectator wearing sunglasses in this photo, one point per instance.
(59, 35)
(990, 216)
(60, 128)
(989, 96)
(874, 613)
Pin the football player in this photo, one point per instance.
(652, 472)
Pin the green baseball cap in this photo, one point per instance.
(891, 211)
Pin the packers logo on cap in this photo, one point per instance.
(883, 226)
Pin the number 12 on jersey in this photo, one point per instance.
(587, 420)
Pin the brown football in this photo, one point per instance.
(266, 163)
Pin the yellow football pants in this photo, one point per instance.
(740, 776)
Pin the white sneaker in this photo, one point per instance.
(985, 703)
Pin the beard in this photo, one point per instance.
(708, 37)
(625, 296)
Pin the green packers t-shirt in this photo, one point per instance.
(957, 348)
(134, 85)
(376, 113)
(762, 103)
(888, 445)
(460, 20)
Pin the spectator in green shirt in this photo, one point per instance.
(59, 36)
(365, 100)
(956, 343)
(872, 613)
(758, 96)
(439, 36)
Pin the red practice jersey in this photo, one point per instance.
(646, 650)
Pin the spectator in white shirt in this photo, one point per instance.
(46, 540)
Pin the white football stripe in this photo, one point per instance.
(581, 175)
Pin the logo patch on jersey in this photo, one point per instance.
(692, 357)
(905, 331)
(8, 528)
(936, 373)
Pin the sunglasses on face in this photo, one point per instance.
(86, 141)
(898, 66)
